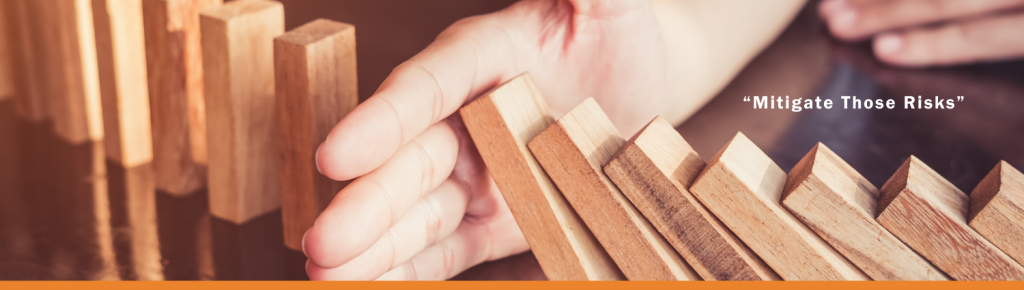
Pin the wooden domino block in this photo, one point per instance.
(997, 210)
(6, 41)
(835, 201)
(743, 188)
(654, 170)
(929, 214)
(238, 65)
(75, 105)
(174, 67)
(501, 122)
(572, 151)
(27, 22)
(315, 69)
(121, 54)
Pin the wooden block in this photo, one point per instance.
(75, 106)
(28, 34)
(174, 67)
(743, 188)
(929, 214)
(121, 55)
(238, 64)
(501, 122)
(315, 69)
(572, 151)
(835, 201)
(997, 210)
(654, 170)
(6, 82)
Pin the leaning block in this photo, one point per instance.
(315, 74)
(500, 123)
(930, 215)
(238, 63)
(743, 188)
(997, 210)
(174, 67)
(121, 55)
(654, 170)
(75, 103)
(835, 201)
(572, 151)
(6, 53)
(27, 23)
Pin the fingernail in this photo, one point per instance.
(316, 158)
(303, 244)
(888, 43)
(830, 7)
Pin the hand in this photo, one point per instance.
(423, 205)
(931, 32)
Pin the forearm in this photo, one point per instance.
(709, 42)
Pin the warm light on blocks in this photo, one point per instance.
(997, 209)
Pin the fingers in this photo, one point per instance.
(859, 19)
(365, 209)
(469, 57)
(432, 219)
(466, 247)
(986, 39)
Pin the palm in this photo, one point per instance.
(611, 52)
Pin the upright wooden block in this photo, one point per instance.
(174, 68)
(930, 215)
(6, 82)
(27, 27)
(654, 170)
(835, 201)
(997, 210)
(743, 188)
(75, 106)
(121, 55)
(238, 63)
(315, 69)
(572, 151)
(501, 122)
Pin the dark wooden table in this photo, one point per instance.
(63, 214)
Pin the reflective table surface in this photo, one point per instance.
(67, 213)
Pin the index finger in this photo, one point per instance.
(466, 59)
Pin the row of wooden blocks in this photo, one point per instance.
(594, 206)
(208, 94)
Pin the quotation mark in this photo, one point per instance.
(959, 98)
(747, 98)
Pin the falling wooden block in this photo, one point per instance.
(501, 122)
(929, 214)
(121, 55)
(743, 188)
(997, 210)
(835, 201)
(75, 106)
(315, 68)
(27, 23)
(572, 151)
(238, 63)
(174, 67)
(654, 170)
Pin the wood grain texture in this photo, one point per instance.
(997, 209)
(6, 53)
(238, 67)
(572, 152)
(743, 188)
(315, 79)
(929, 214)
(501, 122)
(839, 204)
(174, 67)
(28, 27)
(121, 55)
(75, 105)
(654, 170)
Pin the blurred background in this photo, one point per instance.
(63, 215)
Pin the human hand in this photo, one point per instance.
(931, 32)
(423, 205)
